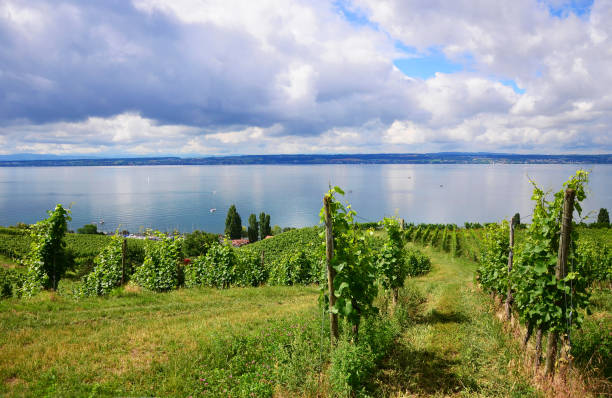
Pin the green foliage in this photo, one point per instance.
(417, 263)
(354, 283)
(198, 242)
(253, 230)
(264, 225)
(233, 224)
(596, 259)
(216, 269)
(302, 269)
(493, 270)
(249, 270)
(391, 262)
(160, 270)
(603, 218)
(351, 365)
(91, 229)
(107, 272)
(516, 219)
(11, 281)
(47, 261)
(541, 300)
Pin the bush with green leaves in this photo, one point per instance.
(160, 270)
(391, 260)
(249, 270)
(351, 365)
(492, 272)
(353, 362)
(417, 263)
(47, 260)
(355, 280)
(541, 300)
(216, 269)
(596, 260)
(89, 229)
(11, 281)
(198, 242)
(107, 271)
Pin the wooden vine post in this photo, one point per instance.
(509, 298)
(561, 270)
(123, 255)
(331, 273)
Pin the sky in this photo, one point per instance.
(222, 77)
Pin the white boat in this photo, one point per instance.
(213, 210)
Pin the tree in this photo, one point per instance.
(198, 242)
(516, 220)
(253, 228)
(47, 260)
(264, 225)
(603, 218)
(91, 229)
(233, 223)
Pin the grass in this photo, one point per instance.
(455, 345)
(141, 343)
(267, 341)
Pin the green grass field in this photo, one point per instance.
(271, 341)
(142, 344)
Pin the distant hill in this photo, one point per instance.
(30, 160)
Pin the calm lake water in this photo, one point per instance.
(181, 197)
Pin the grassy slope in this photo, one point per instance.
(139, 343)
(455, 345)
(136, 344)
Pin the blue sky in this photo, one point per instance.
(151, 77)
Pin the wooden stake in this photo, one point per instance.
(509, 298)
(123, 255)
(538, 355)
(331, 273)
(561, 271)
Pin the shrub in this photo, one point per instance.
(88, 229)
(160, 270)
(11, 281)
(216, 269)
(493, 270)
(197, 243)
(417, 263)
(351, 365)
(249, 271)
(47, 260)
(107, 271)
(300, 269)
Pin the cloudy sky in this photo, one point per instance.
(213, 77)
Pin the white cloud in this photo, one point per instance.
(290, 76)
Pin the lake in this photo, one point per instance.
(181, 197)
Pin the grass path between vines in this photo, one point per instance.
(455, 346)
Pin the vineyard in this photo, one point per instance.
(340, 309)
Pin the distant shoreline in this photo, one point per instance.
(245, 160)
